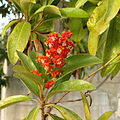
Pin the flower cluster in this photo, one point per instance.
(56, 52)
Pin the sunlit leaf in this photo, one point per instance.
(18, 40)
(79, 3)
(13, 100)
(7, 26)
(33, 114)
(86, 107)
(71, 85)
(106, 115)
(73, 13)
(93, 43)
(66, 113)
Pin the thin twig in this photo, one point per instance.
(100, 84)
(12, 8)
(61, 97)
(105, 65)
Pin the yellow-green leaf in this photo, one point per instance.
(7, 26)
(18, 40)
(106, 115)
(33, 114)
(93, 43)
(86, 107)
(13, 100)
(67, 113)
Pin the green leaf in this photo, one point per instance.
(13, 100)
(50, 2)
(19, 68)
(38, 11)
(27, 6)
(51, 12)
(30, 84)
(93, 43)
(47, 26)
(63, 79)
(113, 8)
(33, 114)
(79, 3)
(55, 2)
(18, 40)
(71, 85)
(7, 26)
(78, 61)
(26, 61)
(94, 1)
(32, 56)
(86, 107)
(37, 79)
(116, 70)
(112, 46)
(16, 3)
(55, 117)
(106, 115)
(77, 30)
(101, 16)
(73, 13)
(66, 113)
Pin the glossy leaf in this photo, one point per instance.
(66, 113)
(30, 84)
(86, 107)
(78, 61)
(77, 30)
(13, 100)
(7, 26)
(33, 114)
(102, 15)
(112, 46)
(113, 8)
(106, 115)
(26, 61)
(93, 43)
(18, 40)
(71, 85)
(73, 13)
(79, 3)
(55, 117)
(51, 12)
(32, 56)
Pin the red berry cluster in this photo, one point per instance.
(57, 51)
